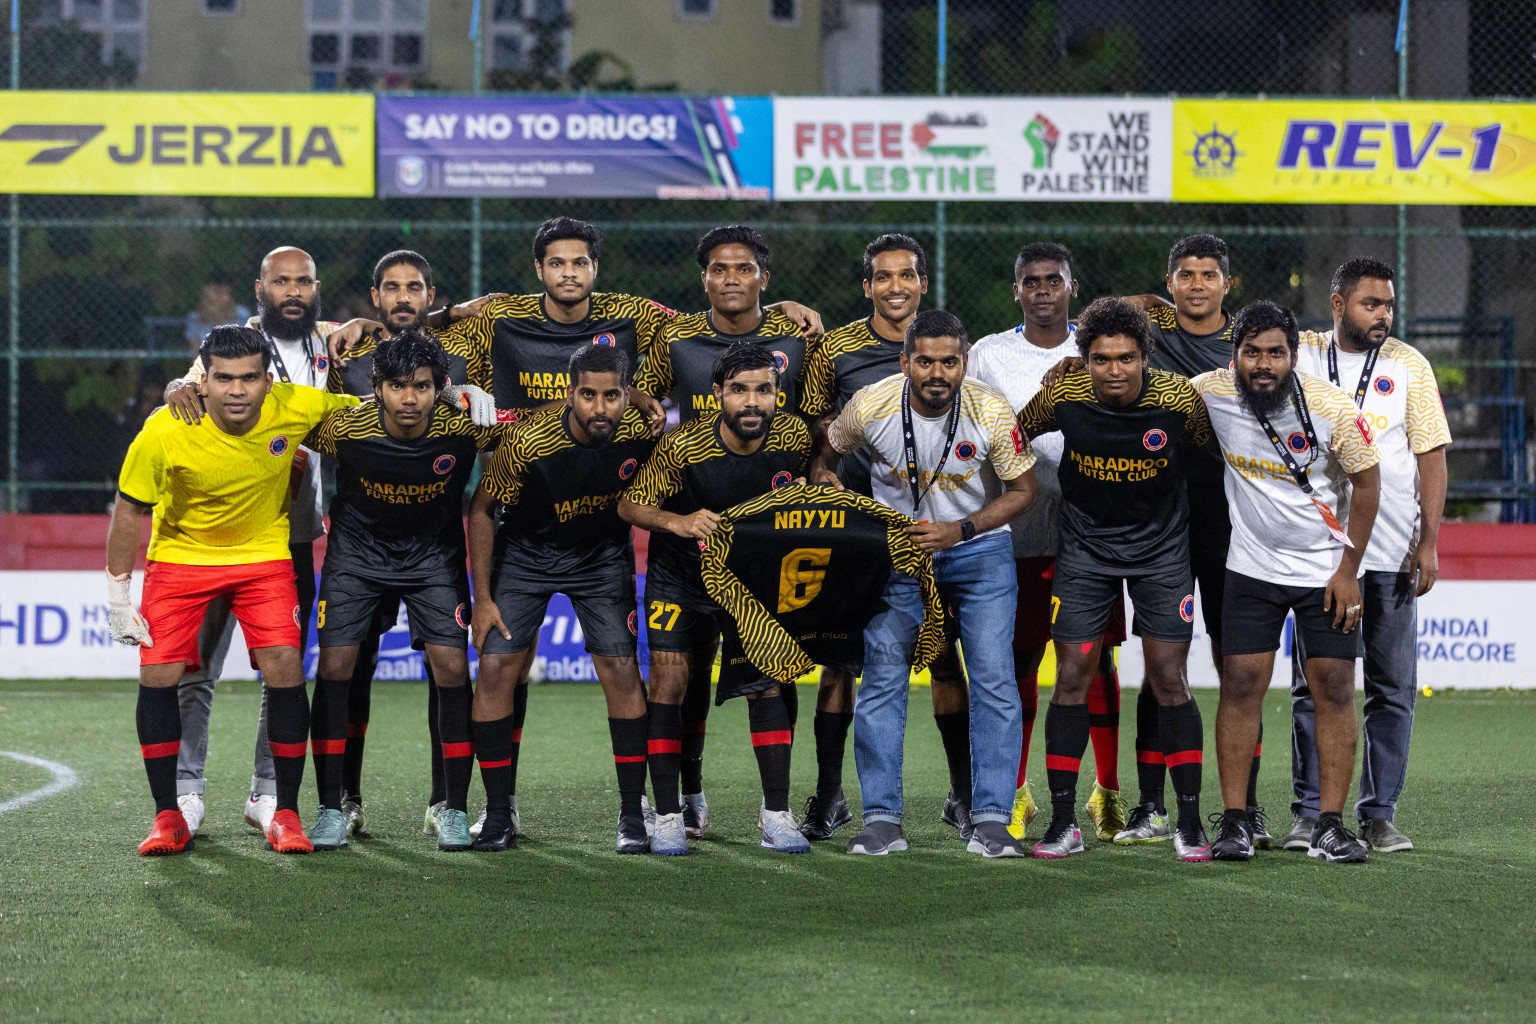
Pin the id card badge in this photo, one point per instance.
(1332, 522)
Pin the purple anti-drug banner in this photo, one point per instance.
(680, 147)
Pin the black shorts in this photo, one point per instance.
(353, 607)
(1210, 534)
(605, 608)
(677, 618)
(1254, 618)
(1083, 603)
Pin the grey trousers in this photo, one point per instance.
(194, 690)
(1391, 684)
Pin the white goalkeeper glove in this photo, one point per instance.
(123, 619)
(480, 405)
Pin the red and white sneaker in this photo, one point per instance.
(169, 835)
(286, 834)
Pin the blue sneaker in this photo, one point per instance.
(453, 831)
(329, 832)
(781, 833)
(669, 839)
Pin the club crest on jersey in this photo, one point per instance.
(461, 618)
(965, 451)
(628, 468)
(1154, 440)
(1383, 385)
(1187, 608)
(296, 617)
(322, 363)
(781, 479)
(604, 339)
(278, 445)
(443, 465)
(634, 624)
(1297, 443)
(781, 361)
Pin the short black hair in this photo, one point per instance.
(234, 341)
(1200, 247)
(744, 357)
(399, 256)
(1106, 317)
(892, 242)
(399, 357)
(598, 359)
(1035, 252)
(934, 323)
(735, 234)
(1351, 272)
(1264, 315)
(559, 229)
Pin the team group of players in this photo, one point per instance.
(1042, 470)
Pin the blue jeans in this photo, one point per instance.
(977, 580)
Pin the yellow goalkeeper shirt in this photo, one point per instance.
(219, 499)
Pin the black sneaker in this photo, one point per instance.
(1299, 838)
(1262, 840)
(823, 817)
(632, 837)
(1333, 842)
(1233, 841)
(497, 834)
(957, 816)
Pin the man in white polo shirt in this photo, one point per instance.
(1395, 389)
(1302, 485)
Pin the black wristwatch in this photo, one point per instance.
(967, 530)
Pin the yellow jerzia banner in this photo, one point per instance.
(189, 144)
(1305, 151)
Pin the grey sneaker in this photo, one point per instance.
(878, 839)
(1145, 825)
(1258, 829)
(352, 810)
(329, 832)
(1383, 837)
(991, 839)
(957, 816)
(695, 815)
(1299, 839)
(1062, 839)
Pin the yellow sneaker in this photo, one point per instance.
(1108, 812)
(1024, 811)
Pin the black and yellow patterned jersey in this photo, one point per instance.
(526, 353)
(800, 572)
(692, 469)
(1188, 355)
(560, 519)
(398, 514)
(1122, 472)
(465, 365)
(846, 360)
(682, 365)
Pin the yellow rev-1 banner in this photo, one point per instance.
(1305, 151)
(189, 144)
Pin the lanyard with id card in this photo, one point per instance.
(1298, 471)
(909, 441)
(1365, 372)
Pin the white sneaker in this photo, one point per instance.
(191, 805)
(259, 810)
(479, 824)
(695, 815)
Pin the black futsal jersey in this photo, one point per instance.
(354, 377)
(846, 360)
(398, 515)
(560, 519)
(692, 470)
(800, 572)
(527, 353)
(682, 365)
(1122, 480)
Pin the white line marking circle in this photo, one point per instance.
(64, 777)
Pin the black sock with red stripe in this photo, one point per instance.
(495, 751)
(769, 721)
(1150, 769)
(439, 784)
(629, 745)
(359, 705)
(831, 728)
(1066, 740)
(1104, 727)
(287, 725)
(453, 703)
(790, 694)
(1253, 771)
(158, 718)
(519, 715)
(1183, 746)
(695, 716)
(955, 731)
(664, 751)
(328, 737)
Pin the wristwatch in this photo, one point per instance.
(967, 530)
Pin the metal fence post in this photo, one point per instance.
(940, 255)
(475, 213)
(1402, 209)
(13, 357)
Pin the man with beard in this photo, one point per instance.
(1299, 463)
(718, 459)
(1394, 386)
(558, 475)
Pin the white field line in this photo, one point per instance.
(64, 777)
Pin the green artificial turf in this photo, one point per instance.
(563, 929)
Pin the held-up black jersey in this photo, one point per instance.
(1190, 355)
(1122, 479)
(527, 353)
(692, 469)
(682, 365)
(398, 515)
(464, 365)
(846, 360)
(801, 571)
(561, 520)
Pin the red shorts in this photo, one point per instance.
(1032, 615)
(262, 596)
